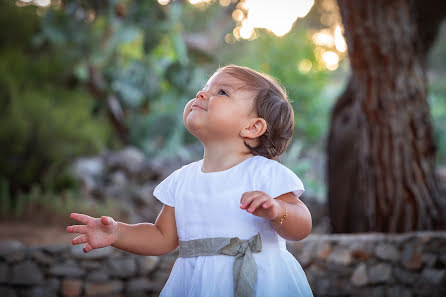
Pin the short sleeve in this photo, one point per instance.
(279, 179)
(165, 190)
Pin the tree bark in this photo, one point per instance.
(380, 148)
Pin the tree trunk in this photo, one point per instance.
(380, 148)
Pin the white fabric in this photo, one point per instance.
(208, 205)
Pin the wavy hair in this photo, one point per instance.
(272, 104)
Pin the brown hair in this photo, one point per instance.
(273, 105)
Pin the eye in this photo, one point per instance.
(222, 92)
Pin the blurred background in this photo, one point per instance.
(92, 95)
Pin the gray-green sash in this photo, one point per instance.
(244, 268)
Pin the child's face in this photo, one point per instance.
(221, 110)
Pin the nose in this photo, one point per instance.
(203, 95)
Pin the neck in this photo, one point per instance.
(222, 156)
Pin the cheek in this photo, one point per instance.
(187, 110)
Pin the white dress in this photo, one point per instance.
(208, 205)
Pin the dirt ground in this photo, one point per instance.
(39, 227)
(42, 226)
(32, 234)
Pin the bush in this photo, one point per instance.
(43, 127)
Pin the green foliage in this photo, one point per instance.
(45, 121)
(138, 51)
(437, 102)
(43, 128)
(17, 24)
(437, 92)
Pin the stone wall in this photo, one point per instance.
(405, 265)
(374, 264)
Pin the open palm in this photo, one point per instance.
(96, 233)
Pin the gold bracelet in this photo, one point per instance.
(284, 216)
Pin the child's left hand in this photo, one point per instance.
(261, 204)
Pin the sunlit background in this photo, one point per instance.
(277, 17)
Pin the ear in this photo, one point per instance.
(255, 128)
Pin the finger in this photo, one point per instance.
(80, 239)
(256, 203)
(77, 229)
(247, 198)
(106, 220)
(81, 217)
(268, 203)
(87, 248)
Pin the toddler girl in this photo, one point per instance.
(231, 212)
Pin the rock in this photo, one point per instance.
(53, 285)
(378, 291)
(147, 170)
(26, 273)
(118, 178)
(323, 287)
(140, 284)
(160, 280)
(398, 291)
(71, 287)
(305, 257)
(128, 159)
(68, 270)
(4, 273)
(7, 292)
(78, 253)
(93, 289)
(99, 275)
(36, 292)
(359, 276)
(145, 193)
(122, 267)
(323, 250)
(359, 254)
(147, 264)
(10, 246)
(443, 259)
(434, 276)
(91, 167)
(42, 258)
(340, 255)
(380, 273)
(91, 264)
(56, 249)
(366, 247)
(405, 277)
(387, 251)
(411, 258)
(16, 256)
(429, 259)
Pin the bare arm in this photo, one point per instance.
(142, 239)
(147, 238)
(297, 224)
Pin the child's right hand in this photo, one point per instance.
(97, 232)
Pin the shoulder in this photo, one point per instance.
(277, 179)
(271, 166)
(273, 170)
(184, 169)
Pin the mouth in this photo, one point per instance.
(196, 106)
